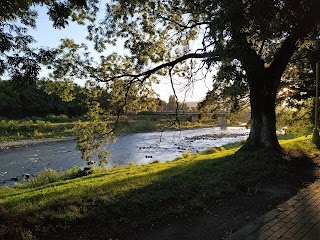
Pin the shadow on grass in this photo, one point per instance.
(103, 209)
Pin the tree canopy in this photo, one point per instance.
(17, 59)
(251, 42)
(31, 100)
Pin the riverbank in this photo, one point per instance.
(14, 130)
(26, 134)
(137, 148)
(29, 142)
(156, 123)
(198, 196)
(11, 143)
(4, 145)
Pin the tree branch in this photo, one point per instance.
(261, 47)
(168, 64)
(283, 55)
(287, 49)
(195, 24)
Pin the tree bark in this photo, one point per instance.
(262, 135)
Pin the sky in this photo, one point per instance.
(47, 36)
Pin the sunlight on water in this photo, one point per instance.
(141, 148)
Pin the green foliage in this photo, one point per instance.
(51, 176)
(186, 153)
(57, 118)
(212, 150)
(172, 103)
(15, 130)
(142, 126)
(229, 92)
(297, 120)
(33, 101)
(97, 130)
(91, 135)
(18, 59)
(64, 89)
(131, 98)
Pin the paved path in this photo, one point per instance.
(298, 218)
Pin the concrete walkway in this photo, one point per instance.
(298, 218)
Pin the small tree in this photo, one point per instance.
(172, 103)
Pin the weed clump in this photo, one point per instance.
(186, 153)
(155, 161)
(50, 176)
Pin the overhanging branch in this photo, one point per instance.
(168, 64)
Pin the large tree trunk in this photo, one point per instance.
(263, 136)
(264, 82)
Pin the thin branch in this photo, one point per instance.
(283, 54)
(175, 95)
(120, 109)
(195, 24)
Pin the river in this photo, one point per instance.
(140, 148)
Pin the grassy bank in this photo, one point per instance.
(112, 202)
(17, 130)
(149, 123)
(43, 128)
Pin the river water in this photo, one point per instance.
(140, 148)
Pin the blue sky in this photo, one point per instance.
(47, 36)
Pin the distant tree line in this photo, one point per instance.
(30, 99)
(39, 98)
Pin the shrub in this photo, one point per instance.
(210, 151)
(50, 176)
(131, 163)
(155, 161)
(57, 118)
(186, 153)
(47, 176)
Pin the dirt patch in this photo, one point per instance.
(224, 217)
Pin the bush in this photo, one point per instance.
(57, 118)
(47, 176)
(186, 153)
(50, 176)
(297, 120)
(210, 151)
(14, 130)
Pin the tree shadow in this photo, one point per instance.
(188, 188)
(158, 196)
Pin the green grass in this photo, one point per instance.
(11, 130)
(116, 201)
(17, 130)
(141, 123)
